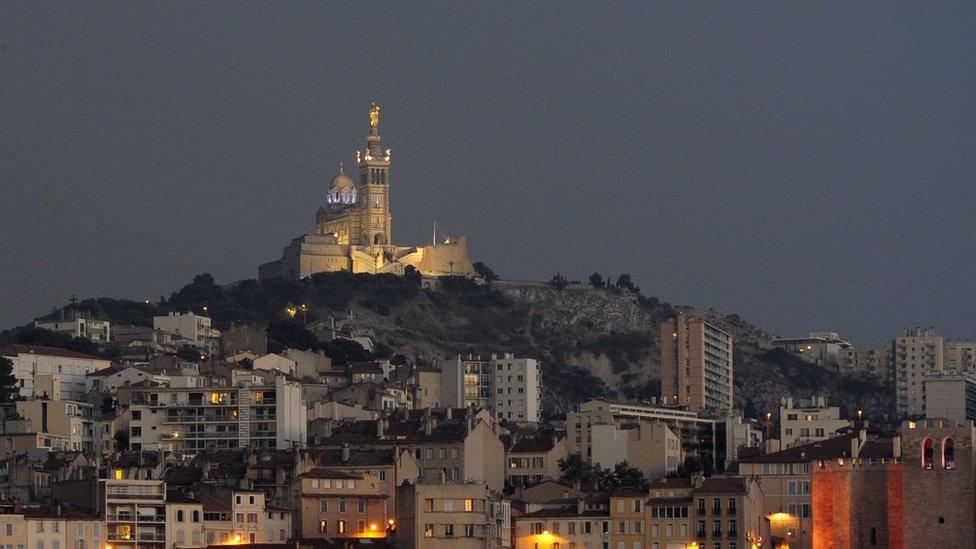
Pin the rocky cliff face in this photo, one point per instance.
(597, 342)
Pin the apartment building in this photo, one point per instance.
(510, 387)
(715, 440)
(134, 510)
(58, 372)
(196, 329)
(192, 420)
(79, 423)
(696, 365)
(95, 330)
(341, 505)
(917, 352)
(452, 516)
(532, 459)
(803, 421)
(960, 356)
(233, 516)
(580, 525)
(950, 395)
(824, 349)
(874, 362)
(627, 519)
(184, 520)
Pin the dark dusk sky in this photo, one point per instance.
(809, 166)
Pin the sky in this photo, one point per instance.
(808, 166)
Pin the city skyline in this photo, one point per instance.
(805, 167)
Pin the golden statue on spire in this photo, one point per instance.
(374, 115)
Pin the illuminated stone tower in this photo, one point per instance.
(374, 185)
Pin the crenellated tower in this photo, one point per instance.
(374, 185)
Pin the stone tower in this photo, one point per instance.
(374, 186)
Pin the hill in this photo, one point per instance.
(593, 342)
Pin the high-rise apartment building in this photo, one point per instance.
(509, 387)
(696, 365)
(868, 361)
(916, 353)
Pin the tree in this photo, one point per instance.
(8, 382)
(577, 471)
(558, 281)
(289, 333)
(344, 351)
(485, 272)
(624, 281)
(596, 280)
(623, 475)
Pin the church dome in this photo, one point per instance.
(342, 190)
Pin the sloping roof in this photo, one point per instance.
(61, 511)
(358, 457)
(723, 485)
(533, 445)
(330, 473)
(877, 449)
(626, 492)
(831, 448)
(15, 349)
(567, 512)
(113, 369)
(665, 483)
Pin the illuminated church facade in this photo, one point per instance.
(353, 228)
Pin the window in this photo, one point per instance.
(341, 529)
(449, 530)
(323, 527)
(469, 530)
(636, 506)
(342, 506)
(252, 518)
(196, 517)
(927, 454)
(428, 504)
(454, 453)
(361, 506)
(324, 506)
(428, 530)
(469, 505)
(948, 454)
(361, 526)
(179, 515)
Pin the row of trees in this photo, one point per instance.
(624, 282)
(590, 476)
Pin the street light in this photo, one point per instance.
(304, 314)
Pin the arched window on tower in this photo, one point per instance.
(927, 454)
(948, 454)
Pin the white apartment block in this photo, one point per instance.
(808, 421)
(95, 330)
(195, 328)
(58, 372)
(193, 420)
(135, 512)
(511, 388)
(917, 352)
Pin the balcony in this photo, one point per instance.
(131, 518)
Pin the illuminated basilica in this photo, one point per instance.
(353, 228)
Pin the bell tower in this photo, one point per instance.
(374, 185)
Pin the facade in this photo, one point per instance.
(510, 387)
(950, 395)
(449, 516)
(714, 440)
(95, 330)
(917, 352)
(696, 365)
(824, 349)
(802, 421)
(341, 505)
(533, 459)
(627, 519)
(134, 510)
(354, 228)
(235, 516)
(875, 362)
(62, 370)
(57, 526)
(650, 446)
(191, 420)
(79, 423)
(184, 521)
(581, 526)
(196, 329)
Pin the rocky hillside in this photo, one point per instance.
(593, 342)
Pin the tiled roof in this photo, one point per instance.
(723, 485)
(15, 349)
(666, 483)
(358, 457)
(561, 512)
(533, 445)
(831, 448)
(330, 473)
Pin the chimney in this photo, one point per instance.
(345, 452)
(380, 428)
(697, 480)
(448, 412)
(580, 506)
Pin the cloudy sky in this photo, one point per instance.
(808, 166)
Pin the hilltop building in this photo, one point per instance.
(354, 228)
